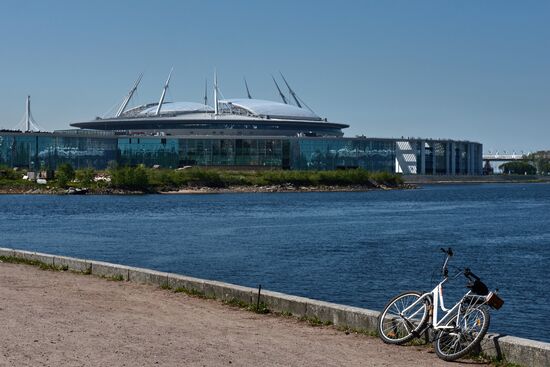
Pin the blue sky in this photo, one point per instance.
(477, 70)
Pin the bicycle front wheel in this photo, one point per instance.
(465, 334)
(400, 321)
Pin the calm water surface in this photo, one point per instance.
(352, 248)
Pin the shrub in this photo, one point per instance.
(130, 178)
(85, 176)
(206, 177)
(65, 173)
(518, 168)
(8, 173)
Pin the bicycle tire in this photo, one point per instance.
(396, 329)
(470, 331)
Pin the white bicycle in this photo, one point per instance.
(460, 329)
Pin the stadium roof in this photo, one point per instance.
(177, 108)
(263, 108)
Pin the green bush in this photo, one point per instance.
(130, 178)
(85, 176)
(518, 168)
(387, 178)
(64, 174)
(206, 177)
(7, 173)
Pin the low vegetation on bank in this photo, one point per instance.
(149, 180)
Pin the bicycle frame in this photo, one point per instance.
(435, 299)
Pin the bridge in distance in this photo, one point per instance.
(504, 157)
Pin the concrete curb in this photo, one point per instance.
(512, 349)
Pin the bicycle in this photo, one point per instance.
(460, 329)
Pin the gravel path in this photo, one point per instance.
(65, 319)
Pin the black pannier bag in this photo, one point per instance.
(478, 287)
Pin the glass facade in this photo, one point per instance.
(329, 154)
(440, 156)
(148, 151)
(231, 152)
(48, 151)
(42, 150)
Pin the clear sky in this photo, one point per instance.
(476, 70)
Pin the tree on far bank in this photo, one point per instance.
(130, 178)
(518, 168)
(64, 174)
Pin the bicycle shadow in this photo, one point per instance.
(489, 348)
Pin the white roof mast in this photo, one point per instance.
(128, 96)
(161, 101)
(216, 102)
(28, 115)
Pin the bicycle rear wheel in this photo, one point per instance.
(396, 326)
(466, 334)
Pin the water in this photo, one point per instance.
(352, 248)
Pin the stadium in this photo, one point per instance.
(233, 133)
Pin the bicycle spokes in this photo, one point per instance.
(402, 318)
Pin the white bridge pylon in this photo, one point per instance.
(28, 123)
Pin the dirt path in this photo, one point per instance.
(65, 319)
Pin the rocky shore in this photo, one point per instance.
(198, 190)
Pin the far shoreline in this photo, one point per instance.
(409, 183)
(489, 179)
(203, 190)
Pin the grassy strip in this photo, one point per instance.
(217, 178)
(348, 330)
(261, 308)
(315, 321)
(114, 278)
(37, 263)
(144, 179)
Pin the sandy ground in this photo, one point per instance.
(65, 319)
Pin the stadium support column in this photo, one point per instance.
(453, 158)
(470, 160)
(433, 158)
(422, 157)
(479, 159)
(448, 150)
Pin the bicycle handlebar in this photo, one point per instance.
(448, 251)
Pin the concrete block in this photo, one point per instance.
(245, 294)
(36, 256)
(280, 302)
(517, 350)
(227, 291)
(73, 264)
(356, 318)
(146, 276)
(180, 281)
(108, 270)
(324, 311)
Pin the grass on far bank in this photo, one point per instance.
(144, 179)
(217, 178)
